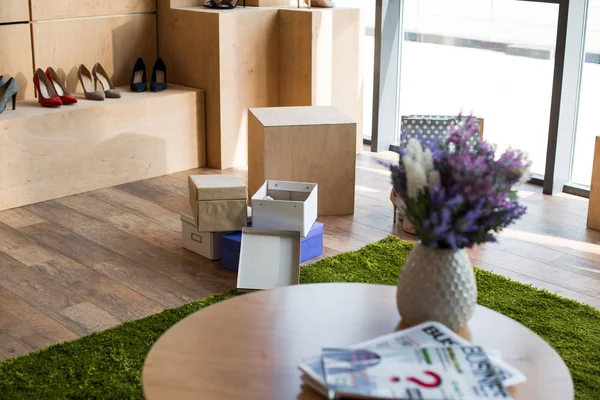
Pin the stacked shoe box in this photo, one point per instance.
(219, 206)
(284, 233)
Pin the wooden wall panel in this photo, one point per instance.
(295, 58)
(58, 9)
(14, 10)
(593, 218)
(49, 153)
(115, 42)
(347, 75)
(179, 4)
(233, 57)
(320, 61)
(16, 61)
(193, 62)
(248, 48)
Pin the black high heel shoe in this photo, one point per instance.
(229, 4)
(159, 76)
(8, 90)
(138, 77)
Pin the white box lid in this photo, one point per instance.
(217, 187)
(268, 259)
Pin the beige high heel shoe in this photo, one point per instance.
(85, 77)
(398, 216)
(101, 76)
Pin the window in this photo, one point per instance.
(494, 58)
(588, 122)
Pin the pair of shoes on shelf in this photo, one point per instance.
(98, 74)
(8, 90)
(224, 4)
(159, 76)
(319, 3)
(51, 91)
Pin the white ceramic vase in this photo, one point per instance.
(437, 285)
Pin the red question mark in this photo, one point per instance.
(437, 380)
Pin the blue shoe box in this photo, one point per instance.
(310, 247)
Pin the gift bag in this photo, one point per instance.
(431, 128)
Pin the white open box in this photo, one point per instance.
(207, 244)
(293, 208)
(268, 259)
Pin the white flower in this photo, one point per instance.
(434, 178)
(416, 179)
(428, 160)
(414, 151)
(420, 173)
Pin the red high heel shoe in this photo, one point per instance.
(65, 96)
(47, 95)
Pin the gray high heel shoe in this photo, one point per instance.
(89, 89)
(101, 76)
(7, 91)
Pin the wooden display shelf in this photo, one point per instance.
(46, 153)
(305, 144)
(61, 9)
(320, 60)
(232, 54)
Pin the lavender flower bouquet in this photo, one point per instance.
(456, 192)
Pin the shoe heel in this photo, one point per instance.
(14, 101)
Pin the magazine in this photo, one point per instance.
(425, 373)
(425, 334)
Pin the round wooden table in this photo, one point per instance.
(249, 347)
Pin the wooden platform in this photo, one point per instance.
(320, 58)
(261, 57)
(87, 262)
(232, 54)
(46, 153)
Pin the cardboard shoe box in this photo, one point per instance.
(285, 206)
(207, 244)
(218, 202)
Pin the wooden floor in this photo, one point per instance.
(84, 263)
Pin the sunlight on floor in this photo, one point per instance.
(364, 189)
(553, 241)
(382, 172)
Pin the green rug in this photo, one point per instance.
(108, 365)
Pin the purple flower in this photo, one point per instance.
(473, 198)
